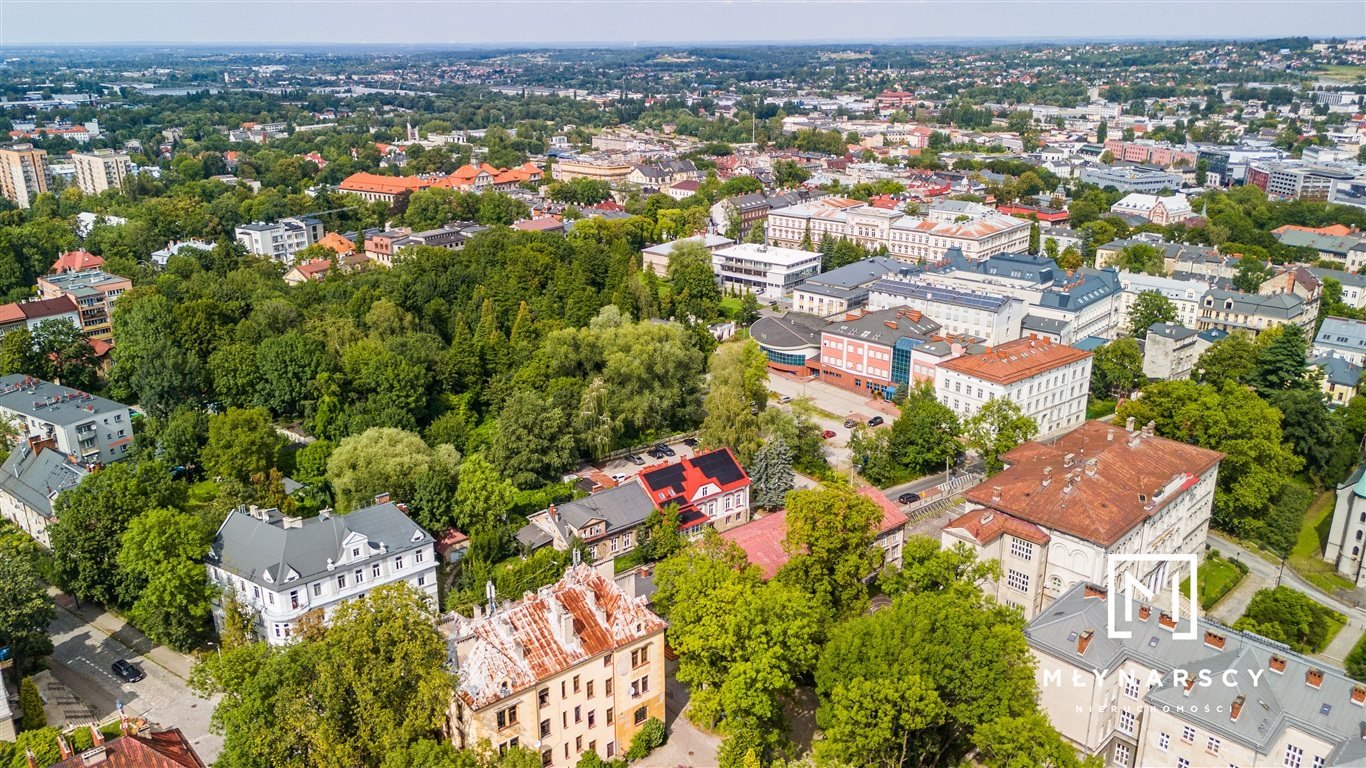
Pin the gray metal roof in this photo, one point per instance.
(1086, 287)
(1275, 701)
(1342, 333)
(1345, 278)
(621, 508)
(52, 402)
(1338, 371)
(1042, 324)
(267, 552)
(1284, 306)
(989, 302)
(860, 273)
(36, 478)
(884, 326)
(791, 330)
(1173, 331)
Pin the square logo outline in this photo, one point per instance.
(1111, 561)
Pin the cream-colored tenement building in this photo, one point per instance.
(576, 667)
(101, 169)
(23, 173)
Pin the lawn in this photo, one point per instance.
(1217, 577)
(1346, 73)
(1096, 409)
(1307, 555)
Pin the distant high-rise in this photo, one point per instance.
(101, 169)
(23, 173)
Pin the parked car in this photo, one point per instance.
(619, 478)
(785, 399)
(636, 459)
(876, 420)
(908, 498)
(827, 434)
(127, 672)
(849, 423)
(655, 453)
(664, 449)
(691, 442)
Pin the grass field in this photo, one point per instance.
(1217, 577)
(1347, 73)
(1307, 555)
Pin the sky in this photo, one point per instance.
(627, 22)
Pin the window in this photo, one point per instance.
(640, 687)
(610, 712)
(578, 714)
(509, 744)
(417, 556)
(398, 563)
(1017, 581)
(607, 686)
(1188, 734)
(294, 598)
(422, 580)
(1131, 687)
(317, 589)
(547, 757)
(1163, 741)
(1213, 744)
(355, 551)
(545, 728)
(640, 656)
(1021, 549)
(506, 717)
(374, 571)
(1126, 721)
(543, 697)
(578, 743)
(592, 717)
(576, 683)
(1293, 756)
(360, 575)
(589, 685)
(1182, 762)
(1121, 753)
(1319, 762)
(607, 662)
(640, 715)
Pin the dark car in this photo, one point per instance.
(849, 423)
(908, 498)
(664, 449)
(655, 453)
(127, 672)
(635, 458)
(876, 420)
(691, 442)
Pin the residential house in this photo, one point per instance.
(280, 240)
(166, 748)
(606, 522)
(1050, 382)
(285, 569)
(317, 269)
(769, 272)
(576, 667)
(709, 489)
(32, 477)
(1158, 210)
(1343, 338)
(24, 173)
(94, 292)
(1295, 280)
(91, 428)
(101, 169)
(1346, 249)
(75, 261)
(1172, 691)
(1096, 491)
(1234, 311)
(1185, 295)
(990, 319)
(681, 190)
(1170, 351)
(29, 314)
(1353, 285)
(1341, 379)
(177, 248)
(745, 212)
(664, 173)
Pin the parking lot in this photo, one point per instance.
(628, 469)
(833, 407)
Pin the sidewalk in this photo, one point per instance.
(176, 663)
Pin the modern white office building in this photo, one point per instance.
(768, 271)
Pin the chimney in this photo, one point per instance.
(1166, 621)
(1129, 424)
(1278, 664)
(995, 493)
(94, 756)
(1047, 476)
(1091, 465)
(382, 498)
(96, 738)
(125, 727)
(292, 522)
(1237, 708)
(1144, 612)
(1069, 459)
(63, 746)
(1190, 683)
(1149, 428)
(1083, 640)
(1092, 590)
(1214, 640)
(1110, 435)
(1314, 678)
(554, 513)
(1358, 695)
(32, 761)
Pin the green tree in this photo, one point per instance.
(660, 537)
(18, 355)
(1282, 362)
(484, 498)
(242, 442)
(924, 438)
(148, 367)
(31, 712)
(287, 366)
(534, 443)
(770, 473)
(1141, 257)
(650, 737)
(696, 295)
(736, 396)
(65, 354)
(1252, 272)
(1150, 308)
(1028, 741)
(1117, 368)
(1233, 358)
(830, 533)
(94, 514)
(383, 460)
(927, 567)
(1289, 616)
(26, 610)
(997, 427)
(876, 722)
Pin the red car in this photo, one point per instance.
(827, 434)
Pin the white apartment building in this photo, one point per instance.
(1063, 508)
(978, 234)
(1343, 338)
(91, 428)
(101, 169)
(993, 319)
(1184, 294)
(1182, 694)
(285, 567)
(1049, 381)
(280, 240)
(767, 271)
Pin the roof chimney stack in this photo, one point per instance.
(995, 493)
(1084, 640)
(1129, 424)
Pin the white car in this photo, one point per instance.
(785, 399)
(619, 478)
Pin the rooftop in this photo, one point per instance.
(52, 402)
(1016, 360)
(1343, 333)
(885, 326)
(149, 749)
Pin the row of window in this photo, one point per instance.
(1294, 756)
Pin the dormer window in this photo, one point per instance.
(355, 551)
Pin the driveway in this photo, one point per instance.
(687, 745)
(87, 642)
(840, 404)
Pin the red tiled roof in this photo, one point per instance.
(337, 243)
(1016, 360)
(762, 541)
(539, 225)
(450, 539)
(75, 261)
(1115, 480)
(987, 525)
(37, 309)
(384, 185)
(892, 516)
(152, 749)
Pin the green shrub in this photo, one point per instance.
(649, 738)
(1356, 660)
(30, 706)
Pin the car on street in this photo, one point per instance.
(635, 458)
(908, 498)
(126, 671)
(664, 449)
(785, 399)
(849, 423)
(827, 434)
(876, 420)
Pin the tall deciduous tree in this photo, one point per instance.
(382, 460)
(65, 354)
(997, 427)
(1117, 368)
(484, 497)
(830, 532)
(696, 295)
(26, 610)
(534, 443)
(1150, 307)
(736, 396)
(148, 367)
(242, 442)
(18, 355)
(925, 436)
(1233, 358)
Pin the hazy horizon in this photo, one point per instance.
(662, 23)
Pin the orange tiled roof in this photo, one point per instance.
(987, 525)
(337, 243)
(1016, 360)
(384, 185)
(151, 749)
(75, 261)
(1113, 481)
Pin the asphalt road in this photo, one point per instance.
(82, 655)
(1269, 571)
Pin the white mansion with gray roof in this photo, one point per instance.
(285, 567)
(1214, 698)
